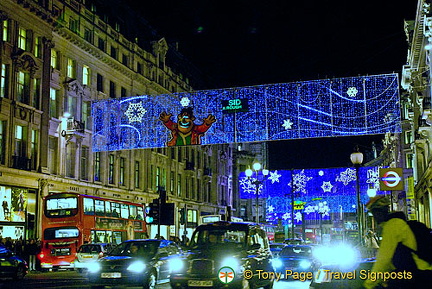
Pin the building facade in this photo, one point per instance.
(416, 140)
(56, 57)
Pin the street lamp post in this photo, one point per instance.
(257, 182)
(357, 159)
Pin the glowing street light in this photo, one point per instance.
(257, 182)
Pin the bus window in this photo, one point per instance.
(107, 209)
(99, 208)
(117, 237)
(61, 233)
(140, 214)
(124, 211)
(115, 210)
(133, 212)
(89, 206)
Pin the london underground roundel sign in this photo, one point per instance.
(391, 179)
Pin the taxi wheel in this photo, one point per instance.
(151, 281)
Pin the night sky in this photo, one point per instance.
(239, 43)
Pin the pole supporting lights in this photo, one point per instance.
(357, 160)
(257, 181)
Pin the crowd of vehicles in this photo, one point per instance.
(107, 241)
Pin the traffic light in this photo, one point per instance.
(182, 216)
(167, 214)
(153, 215)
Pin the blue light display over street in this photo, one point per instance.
(315, 191)
(307, 109)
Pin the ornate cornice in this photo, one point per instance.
(25, 61)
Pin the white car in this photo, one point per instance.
(89, 253)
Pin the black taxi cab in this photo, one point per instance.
(225, 255)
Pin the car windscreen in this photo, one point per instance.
(219, 237)
(296, 251)
(138, 249)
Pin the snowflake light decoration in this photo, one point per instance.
(309, 209)
(185, 101)
(287, 124)
(135, 112)
(274, 177)
(352, 91)
(286, 216)
(299, 182)
(327, 186)
(248, 186)
(270, 209)
(347, 176)
(321, 173)
(373, 177)
(298, 216)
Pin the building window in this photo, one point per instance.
(53, 103)
(70, 159)
(86, 75)
(172, 182)
(70, 68)
(38, 47)
(74, 25)
(2, 142)
(52, 155)
(84, 163)
(123, 92)
(54, 59)
(23, 87)
(88, 35)
(86, 114)
(112, 91)
(97, 167)
(114, 52)
(139, 68)
(179, 185)
(137, 174)
(125, 59)
(20, 141)
(72, 105)
(5, 31)
(111, 169)
(158, 177)
(22, 39)
(4, 81)
(36, 93)
(101, 44)
(99, 84)
(122, 172)
(34, 148)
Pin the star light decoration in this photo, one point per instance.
(352, 91)
(298, 216)
(274, 177)
(287, 124)
(286, 216)
(270, 209)
(135, 112)
(185, 101)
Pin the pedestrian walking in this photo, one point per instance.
(32, 249)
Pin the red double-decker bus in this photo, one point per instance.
(70, 220)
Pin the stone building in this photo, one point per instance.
(416, 145)
(56, 57)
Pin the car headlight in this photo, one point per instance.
(304, 264)
(343, 255)
(277, 263)
(230, 262)
(93, 267)
(137, 267)
(176, 264)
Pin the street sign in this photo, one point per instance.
(391, 179)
